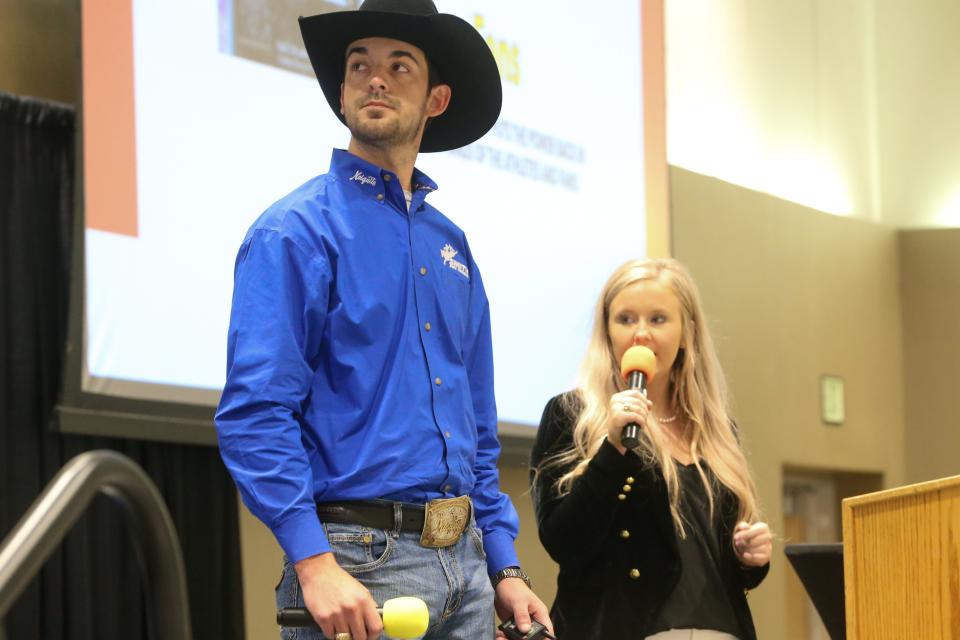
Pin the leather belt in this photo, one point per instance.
(440, 523)
(378, 514)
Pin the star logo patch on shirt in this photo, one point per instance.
(448, 253)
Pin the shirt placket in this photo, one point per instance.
(427, 312)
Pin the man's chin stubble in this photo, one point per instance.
(382, 137)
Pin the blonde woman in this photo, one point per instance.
(661, 541)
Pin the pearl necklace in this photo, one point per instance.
(666, 420)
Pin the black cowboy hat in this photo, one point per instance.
(457, 51)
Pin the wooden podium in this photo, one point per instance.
(901, 562)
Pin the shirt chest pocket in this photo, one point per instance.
(454, 301)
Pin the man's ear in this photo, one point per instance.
(341, 97)
(439, 100)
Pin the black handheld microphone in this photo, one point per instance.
(637, 368)
(537, 631)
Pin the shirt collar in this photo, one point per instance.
(422, 182)
(356, 170)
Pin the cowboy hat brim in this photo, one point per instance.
(458, 52)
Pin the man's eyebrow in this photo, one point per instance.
(403, 53)
(399, 53)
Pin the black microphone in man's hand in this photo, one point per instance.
(637, 368)
(537, 631)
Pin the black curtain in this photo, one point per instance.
(91, 587)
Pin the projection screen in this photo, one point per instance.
(198, 115)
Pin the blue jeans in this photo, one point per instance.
(452, 581)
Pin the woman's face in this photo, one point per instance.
(647, 313)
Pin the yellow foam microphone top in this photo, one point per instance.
(405, 617)
(638, 358)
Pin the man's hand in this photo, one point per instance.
(336, 600)
(515, 600)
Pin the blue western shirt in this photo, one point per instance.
(359, 362)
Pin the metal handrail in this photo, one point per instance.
(52, 515)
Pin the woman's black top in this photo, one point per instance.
(614, 539)
(699, 601)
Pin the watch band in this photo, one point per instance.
(510, 572)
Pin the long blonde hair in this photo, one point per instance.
(696, 387)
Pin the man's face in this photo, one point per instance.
(384, 96)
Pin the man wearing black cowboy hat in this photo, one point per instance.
(358, 416)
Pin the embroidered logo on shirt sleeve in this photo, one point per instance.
(448, 253)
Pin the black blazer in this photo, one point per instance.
(617, 548)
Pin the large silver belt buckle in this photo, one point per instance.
(444, 520)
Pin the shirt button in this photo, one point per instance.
(427, 326)
(621, 496)
(446, 433)
(630, 480)
(379, 197)
(447, 488)
(423, 271)
(387, 177)
(624, 534)
(437, 381)
(627, 488)
(634, 573)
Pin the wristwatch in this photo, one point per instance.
(510, 572)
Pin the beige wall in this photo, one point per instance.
(535, 561)
(850, 107)
(775, 95)
(261, 558)
(930, 291)
(40, 48)
(918, 111)
(793, 294)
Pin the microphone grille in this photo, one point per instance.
(638, 358)
(405, 617)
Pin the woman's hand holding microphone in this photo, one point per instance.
(627, 407)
